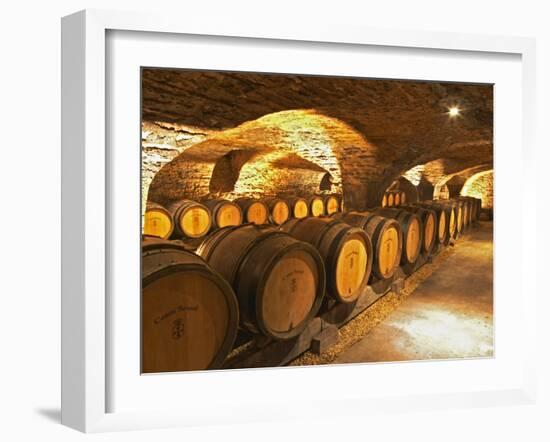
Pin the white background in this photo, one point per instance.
(269, 389)
(29, 319)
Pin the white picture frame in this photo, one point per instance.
(87, 210)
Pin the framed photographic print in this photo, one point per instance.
(252, 214)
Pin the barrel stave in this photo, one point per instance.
(248, 257)
(189, 313)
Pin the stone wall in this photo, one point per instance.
(231, 134)
(404, 185)
(480, 185)
(292, 152)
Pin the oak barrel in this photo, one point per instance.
(466, 212)
(254, 211)
(316, 206)
(459, 215)
(346, 252)
(279, 210)
(332, 204)
(396, 199)
(478, 203)
(384, 200)
(475, 207)
(431, 228)
(450, 217)
(403, 197)
(468, 209)
(189, 313)
(157, 221)
(391, 200)
(279, 281)
(191, 219)
(385, 235)
(224, 213)
(298, 207)
(460, 225)
(457, 210)
(411, 229)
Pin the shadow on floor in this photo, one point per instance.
(51, 414)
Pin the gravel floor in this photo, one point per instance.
(358, 327)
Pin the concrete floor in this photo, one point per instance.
(449, 315)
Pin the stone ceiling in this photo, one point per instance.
(376, 130)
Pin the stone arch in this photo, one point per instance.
(404, 185)
(480, 185)
(441, 192)
(297, 151)
(454, 185)
(227, 170)
(326, 182)
(425, 190)
(444, 177)
(455, 180)
(353, 120)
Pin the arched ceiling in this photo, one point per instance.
(376, 129)
(480, 185)
(439, 171)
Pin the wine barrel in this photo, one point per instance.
(396, 199)
(385, 235)
(189, 313)
(332, 204)
(475, 206)
(430, 226)
(279, 281)
(457, 210)
(254, 211)
(469, 210)
(224, 213)
(403, 197)
(316, 206)
(442, 231)
(450, 216)
(411, 229)
(279, 211)
(384, 200)
(298, 207)
(474, 209)
(465, 212)
(391, 200)
(191, 219)
(473, 216)
(478, 208)
(459, 216)
(346, 252)
(157, 221)
(476, 203)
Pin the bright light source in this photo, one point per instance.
(454, 112)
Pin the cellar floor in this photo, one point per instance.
(449, 315)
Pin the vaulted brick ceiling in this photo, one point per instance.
(375, 129)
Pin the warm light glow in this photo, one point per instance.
(454, 112)
(414, 175)
(474, 187)
(443, 333)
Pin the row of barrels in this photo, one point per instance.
(191, 219)
(393, 198)
(265, 279)
(272, 279)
